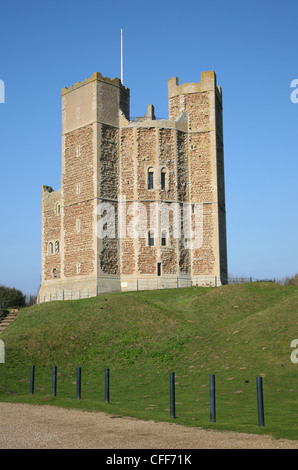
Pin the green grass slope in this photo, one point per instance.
(236, 332)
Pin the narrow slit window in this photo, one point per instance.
(57, 247)
(51, 248)
(159, 269)
(78, 268)
(163, 238)
(54, 272)
(78, 225)
(163, 179)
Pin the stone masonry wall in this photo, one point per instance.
(78, 212)
(78, 174)
(51, 233)
(79, 255)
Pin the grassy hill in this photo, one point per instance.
(236, 332)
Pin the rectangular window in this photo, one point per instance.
(150, 179)
(159, 269)
(163, 180)
(163, 238)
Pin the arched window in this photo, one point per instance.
(51, 248)
(151, 238)
(57, 247)
(150, 178)
(163, 176)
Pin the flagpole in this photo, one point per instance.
(121, 55)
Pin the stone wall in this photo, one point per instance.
(51, 233)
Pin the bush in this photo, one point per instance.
(292, 281)
(14, 297)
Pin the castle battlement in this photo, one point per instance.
(96, 76)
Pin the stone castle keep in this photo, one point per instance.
(142, 202)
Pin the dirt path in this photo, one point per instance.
(48, 427)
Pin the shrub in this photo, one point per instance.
(13, 296)
(292, 281)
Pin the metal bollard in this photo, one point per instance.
(172, 394)
(212, 399)
(79, 377)
(32, 377)
(107, 385)
(260, 401)
(54, 382)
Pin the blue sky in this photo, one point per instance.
(252, 46)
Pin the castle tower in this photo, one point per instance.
(203, 104)
(71, 251)
(135, 171)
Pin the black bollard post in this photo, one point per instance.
(107, 385)
(79, 376)
(54, 382)
(172, 394)
(260, 402)
(32, 377)
(212, 399)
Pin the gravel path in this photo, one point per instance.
(47, 427)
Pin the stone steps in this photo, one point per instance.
(10, 317)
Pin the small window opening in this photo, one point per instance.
(150, 178)
(159, 269)
(163, 238)
(54, 272)
(163, 179)
(150, 238)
